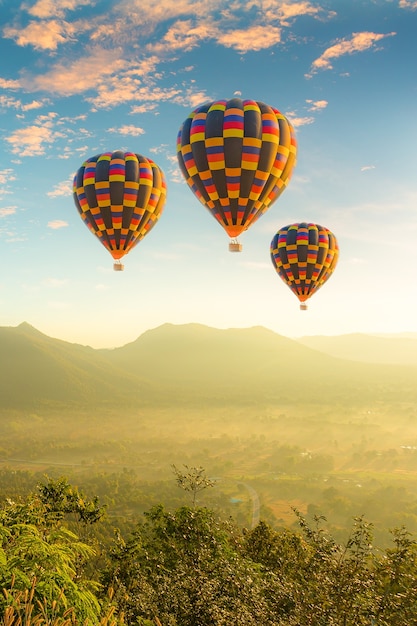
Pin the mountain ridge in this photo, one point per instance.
(182, 365)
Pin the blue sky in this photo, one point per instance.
(78, 77)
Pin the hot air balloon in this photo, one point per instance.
(304, 256)
(237, 157)
(120, 197)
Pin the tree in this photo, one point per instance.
(193, 480)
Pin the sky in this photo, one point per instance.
(80, 77)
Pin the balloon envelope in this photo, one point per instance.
(304, 256)
(237, 157)
(120, 196)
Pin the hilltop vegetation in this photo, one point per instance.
(189, 566)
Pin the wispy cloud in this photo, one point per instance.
(129, 58)
(183, 35)
(6, 176)
(79, 76)
(56, 8)
(359, 42)
(408, 4)
(365, 168)
(147, 107)
(297, 120)
(63, 188)
(54, 282)
(32, 140)
(109, 94)
(127, 129)
(6, 211)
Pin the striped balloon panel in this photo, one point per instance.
(120, 197)
(237, 157)
(304, 255)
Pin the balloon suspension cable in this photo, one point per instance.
(118, 266)
(303, 307)
(235, 246)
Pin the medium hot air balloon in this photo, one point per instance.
(304, 256)
(120, 197)
(237, 157)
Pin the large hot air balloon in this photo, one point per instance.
(304, 256)
(237, 157)
(120, 196)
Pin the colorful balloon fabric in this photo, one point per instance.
(304, 256)
(120, 196)
(237, 157)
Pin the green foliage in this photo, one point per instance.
(42, 563)
(187, 568)
(60, 499)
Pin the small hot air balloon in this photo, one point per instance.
(237, 157)
(120, 197)
(304, 256)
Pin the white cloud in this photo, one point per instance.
(35, 104)
(367, 167)
(287, 11)
(6, 83)
(317, 105)
(254, 38)
(126, 129)
(56, 224)
(45, 35)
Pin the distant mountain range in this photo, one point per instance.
(398, 349)
(197, 365)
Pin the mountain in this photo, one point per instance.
(191, 364)
(38, 370)
(397, 349)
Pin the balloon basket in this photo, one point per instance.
(118, 267)
(235, 246)
(303, 307)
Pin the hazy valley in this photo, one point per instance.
(303, 427)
